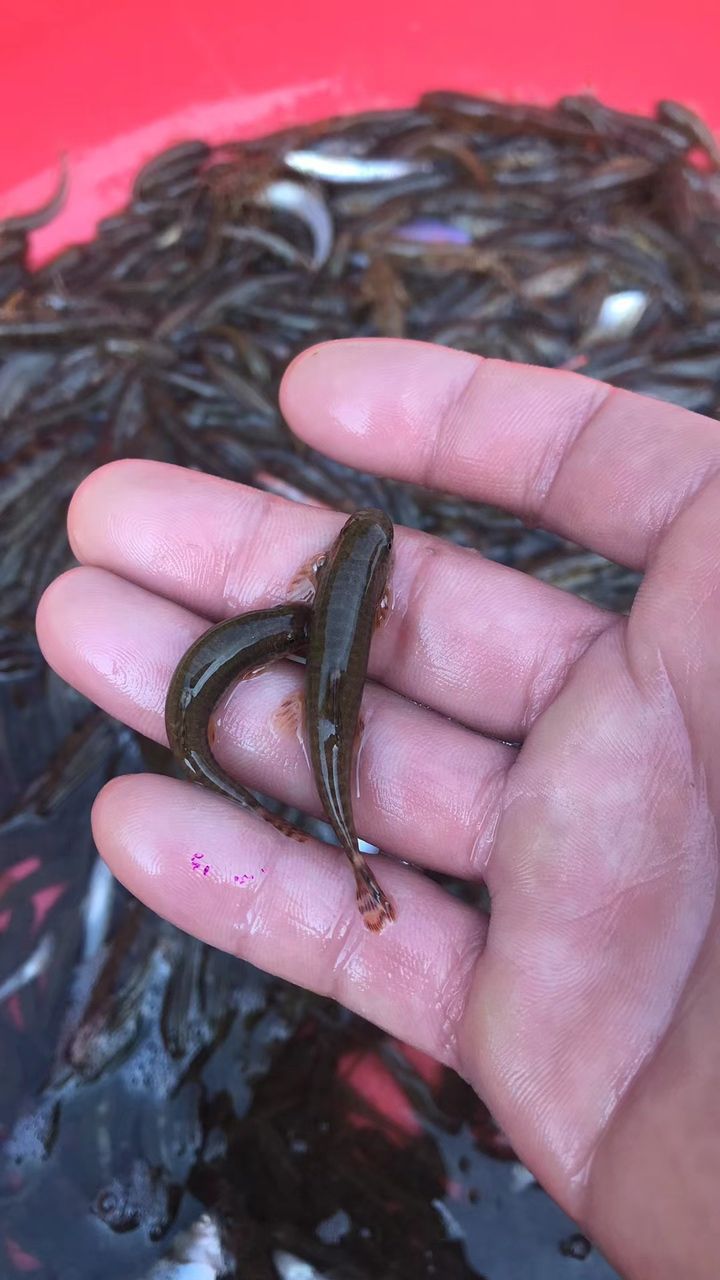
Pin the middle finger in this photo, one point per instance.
(470, 638)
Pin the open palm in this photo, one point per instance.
(586, 1012)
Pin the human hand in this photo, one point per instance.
(586, 1013)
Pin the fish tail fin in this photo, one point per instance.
(375, 908)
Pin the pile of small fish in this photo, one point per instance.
(336, 635)
(574, 237)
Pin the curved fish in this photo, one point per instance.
(235, 648)
(351, 584)
(46, 212)
(308, 205)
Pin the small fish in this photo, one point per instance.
(30, 969)
(502, 118)
(96, 908)
(431, 143)
(179, 161)
(433, 231)
(238, 388)
(195, 1254)
(651, 138)
(682, 118)
(305, 203)
(383, 288)
(619, 172)
(350, 587)
(276, 245)
(619, 315)
(353, 169)
(554, 281)
(64, 328)
(233, 649)
(19, 374)
(45, 214)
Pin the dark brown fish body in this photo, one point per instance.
(235, 648)
(350, 588)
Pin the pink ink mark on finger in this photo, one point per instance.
(195, 861)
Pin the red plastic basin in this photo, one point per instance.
(110, 83)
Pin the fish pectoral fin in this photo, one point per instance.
(291, 718)
(383, 610)
(303, 584)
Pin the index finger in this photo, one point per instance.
(605, 467)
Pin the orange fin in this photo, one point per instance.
(384, 607)
(304, 583)
(375, 908)
(290, 718)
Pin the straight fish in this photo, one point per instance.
(351, 170)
